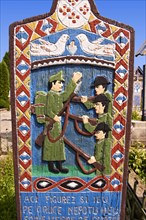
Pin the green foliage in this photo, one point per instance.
(4, 85)
(6, 58)
(4, 104)
(136, 115)
(137, 159)
(7, 192)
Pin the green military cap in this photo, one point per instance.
(58, 76)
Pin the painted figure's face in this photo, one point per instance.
(99, 135)
(99, 108)
(57, 86)
(99, 90)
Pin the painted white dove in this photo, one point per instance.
(95, 47)
(47, 48)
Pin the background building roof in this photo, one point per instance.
(142, 50)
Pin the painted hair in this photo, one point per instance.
(102, 126)
(104, 100)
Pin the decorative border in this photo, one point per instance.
(30, 29)
(72, 60)
(70, 184)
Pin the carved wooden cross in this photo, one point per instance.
(52, 55)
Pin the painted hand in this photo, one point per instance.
(92, 160)
(76, 76)
(57, 118)
(84, 99)
(85, 119)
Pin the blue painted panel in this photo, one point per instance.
(55, 204)
(67, 206)
(39, 81)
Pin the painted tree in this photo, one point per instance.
(4, 85)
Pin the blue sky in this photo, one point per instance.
(130, 12)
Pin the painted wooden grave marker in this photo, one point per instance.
(72, 73)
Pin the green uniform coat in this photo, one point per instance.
(102, 150)
(56, 151)
(102, 155)
(101, 118)
(90, 105)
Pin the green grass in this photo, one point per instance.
(7, 192)
(38, 171)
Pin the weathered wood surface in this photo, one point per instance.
(76, 46)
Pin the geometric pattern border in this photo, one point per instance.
(75, 184)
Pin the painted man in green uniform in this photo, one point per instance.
(54, 153)
(100, 85)
(102, 147)
(101, 103)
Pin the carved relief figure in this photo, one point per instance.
(100, 85)
(102, 147)
(53, 151)
(102, 103)
(102, 150)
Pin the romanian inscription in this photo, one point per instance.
(85, 206)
